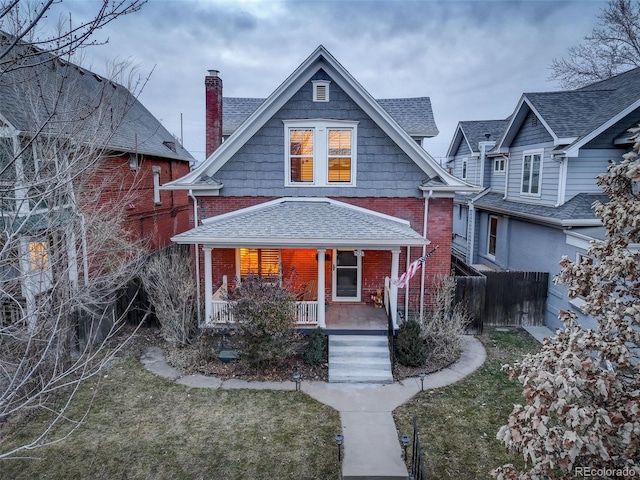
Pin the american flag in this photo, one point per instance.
(402, 281)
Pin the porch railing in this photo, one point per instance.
(306, 312)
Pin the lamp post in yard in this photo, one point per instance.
(296, 378)
(339, 439)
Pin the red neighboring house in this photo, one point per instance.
(52, 114)
(321, 184)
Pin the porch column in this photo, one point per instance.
(208, 286)
(393, 291)
(321, 319)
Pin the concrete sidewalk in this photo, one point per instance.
(371, 446)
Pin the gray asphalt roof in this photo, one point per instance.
(578, 208)
(302, 222)
(414, 115)
(576, 113)
(76, 103)
(475, 131)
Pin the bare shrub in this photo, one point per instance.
(265, 316)
(169, 282)
(441, 331)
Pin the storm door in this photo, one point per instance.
(347, 276)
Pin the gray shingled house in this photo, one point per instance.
(323, 180)
(539, 180)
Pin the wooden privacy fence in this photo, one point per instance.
(504, 298)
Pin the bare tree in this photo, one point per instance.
(612, 48)
(64, 255)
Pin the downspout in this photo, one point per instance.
(195, 224)
(562, 183)
(506, 176)
(424, 251)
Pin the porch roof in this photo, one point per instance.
(303, 222)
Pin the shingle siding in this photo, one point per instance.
(531, 134)
(383, 169)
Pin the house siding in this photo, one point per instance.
(258, 168)
(583, 170)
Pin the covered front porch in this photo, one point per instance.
(352, 250)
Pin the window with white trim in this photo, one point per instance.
(464, 169)
(531, 173)
(492, 237)
(261, 262)
(156, 184)
(498, 165)
(320, 153)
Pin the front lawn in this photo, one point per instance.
(144, 427)
(458, 424)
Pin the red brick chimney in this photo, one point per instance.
(213, 106)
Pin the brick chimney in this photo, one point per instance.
(213, 106)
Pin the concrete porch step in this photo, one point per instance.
(359, 359)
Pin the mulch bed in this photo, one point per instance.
(191, 360)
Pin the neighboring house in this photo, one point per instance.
(322, 183)
(56, 121)
(540, 181)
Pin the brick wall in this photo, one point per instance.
(376, 263)
(116, 187)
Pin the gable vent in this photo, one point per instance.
(534, 120)
(321, 90)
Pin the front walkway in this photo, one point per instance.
(371, 445)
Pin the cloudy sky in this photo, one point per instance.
(473, 58)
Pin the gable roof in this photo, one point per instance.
(319, 59)
(72, 101)
(575, 117)
(472, 132)
(414, 115)
(309, 222)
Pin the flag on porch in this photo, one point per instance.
(402, 281)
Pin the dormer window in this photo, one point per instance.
(321, 90)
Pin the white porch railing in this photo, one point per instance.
(306, 312)
(221, 313)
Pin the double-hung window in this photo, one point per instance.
(531, 173)
(320, 153)
(498, 165)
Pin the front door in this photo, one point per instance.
(347, 276)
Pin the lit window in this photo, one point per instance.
(301, 155)
(339, 156)
(531, 176)
(261, 262)
(38, 257)
(493, 236)
(320, 153)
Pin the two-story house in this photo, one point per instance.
(540, 181)
(75, 145)
(321, 183)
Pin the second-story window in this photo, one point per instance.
(498, 165)
(320, 153)
(531, 173)
(464, 169)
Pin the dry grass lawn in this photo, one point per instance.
(458, 424)
(143, 427)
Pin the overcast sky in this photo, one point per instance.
(472, 58)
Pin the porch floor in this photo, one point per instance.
(355, 317)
